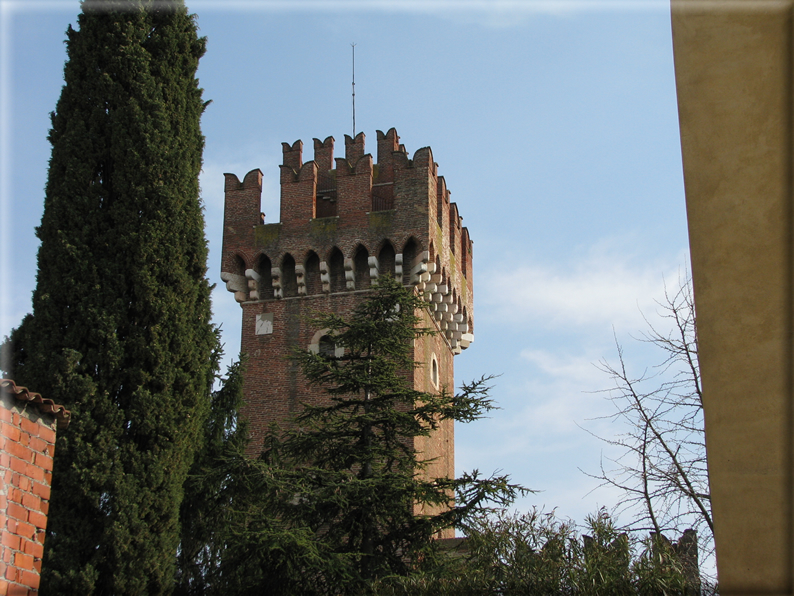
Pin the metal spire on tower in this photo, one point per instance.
(353, 45)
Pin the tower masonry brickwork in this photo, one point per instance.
(345, 222)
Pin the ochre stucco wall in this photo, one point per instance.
(733, 64)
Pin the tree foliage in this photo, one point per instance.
(539, 554)
(120, 331)
(344, 496)
(208, 502)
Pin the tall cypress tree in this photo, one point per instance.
(120, 331)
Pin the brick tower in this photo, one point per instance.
(344, 223)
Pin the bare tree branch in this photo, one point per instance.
(661, 467)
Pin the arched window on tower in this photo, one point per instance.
(239, 265)
(263, 268)
(313, 284)
(409, 256)
(336, 266)
(289, 281)
(361, 266)
(323, 344)
(434, 371)
(386, 259)
(327, 347)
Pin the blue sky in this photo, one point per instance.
(556, 128)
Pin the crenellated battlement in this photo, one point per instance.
(252, 180)
(346, 221)
(331, 186)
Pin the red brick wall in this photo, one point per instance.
(27, 440)
(421, 211)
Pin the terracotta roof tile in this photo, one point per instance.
(45, 406)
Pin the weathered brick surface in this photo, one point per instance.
(26, 448)
(397, 206)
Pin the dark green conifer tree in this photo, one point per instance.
(344, 497)
(120, 331)
(210, 491)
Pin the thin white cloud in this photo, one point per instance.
(8, 7)
(443, 7)
(500, 13)
(495, 12)
(577, 369)
(554, 408)
(605, 287)
(551, 407)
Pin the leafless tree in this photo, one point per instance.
(661, 466)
